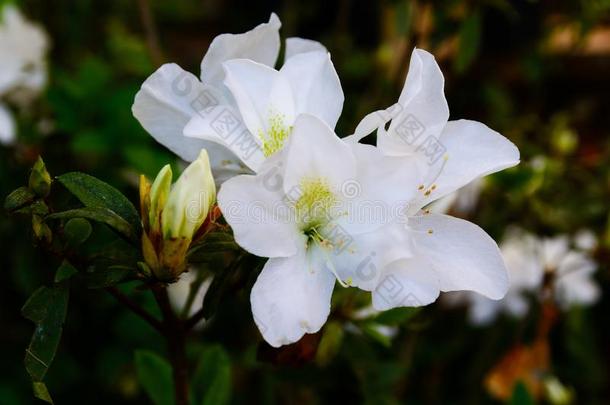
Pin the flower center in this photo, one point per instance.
(314, 204)
(276, 135)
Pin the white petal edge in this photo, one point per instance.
(261, 221)
(261, 44)
(290, 299)
(463, 256)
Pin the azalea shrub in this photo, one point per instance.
(403, 202)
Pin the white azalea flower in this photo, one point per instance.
(448, 254)
(171, 97)
(298, 212)
(571, 271)
(530, 260)
(23, 47)
(268, 102)
(7, 125)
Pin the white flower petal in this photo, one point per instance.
(462, 254)
(361, 259)
(7, 126)
(261, 94)
(223, 125)
(165, 104)
(422, 104)
(254, 206)
(381, 191)
(315, 85)
(467, 150)
(296, 45)
(406, 283)
(290, 298)
(315, 151)
(261, 44)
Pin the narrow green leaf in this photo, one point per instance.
(18, 199)
(212, 378)
(65, 271)
(99, 214)
(93, 192)
(155, 375)
(41, 392)
(47, 308)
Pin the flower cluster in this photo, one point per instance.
(270, 135)
(23, 72)
(558, 268)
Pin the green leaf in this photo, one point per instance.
(65, 271)
(371, 329)
(155, 375)
(99, 214)
(109, 276)
(93, 192)
(521, 395)
(330, 343)
(47, 308)
(213, 243)
(19, 198)
(396, 316)
(77, 230)
(469, 39)
(212, 378)
(41, 392)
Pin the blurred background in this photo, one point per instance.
(536, 71)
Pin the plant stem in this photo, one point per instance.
(175, 334)
(135, 308)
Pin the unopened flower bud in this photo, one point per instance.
(159, 193)
(189, 200)
(40, 180)
(171, 216)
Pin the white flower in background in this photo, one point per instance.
(268, 102)
(531, 260)
(180, 290)
(171, 97)
(585, 240)
(448, 254)
(298, 212)
(23, 72)
(571, 272)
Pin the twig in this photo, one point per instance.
(135, 308)
(150, 30)
(175, 334)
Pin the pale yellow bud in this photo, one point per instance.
(189, 200)
(159, 193)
